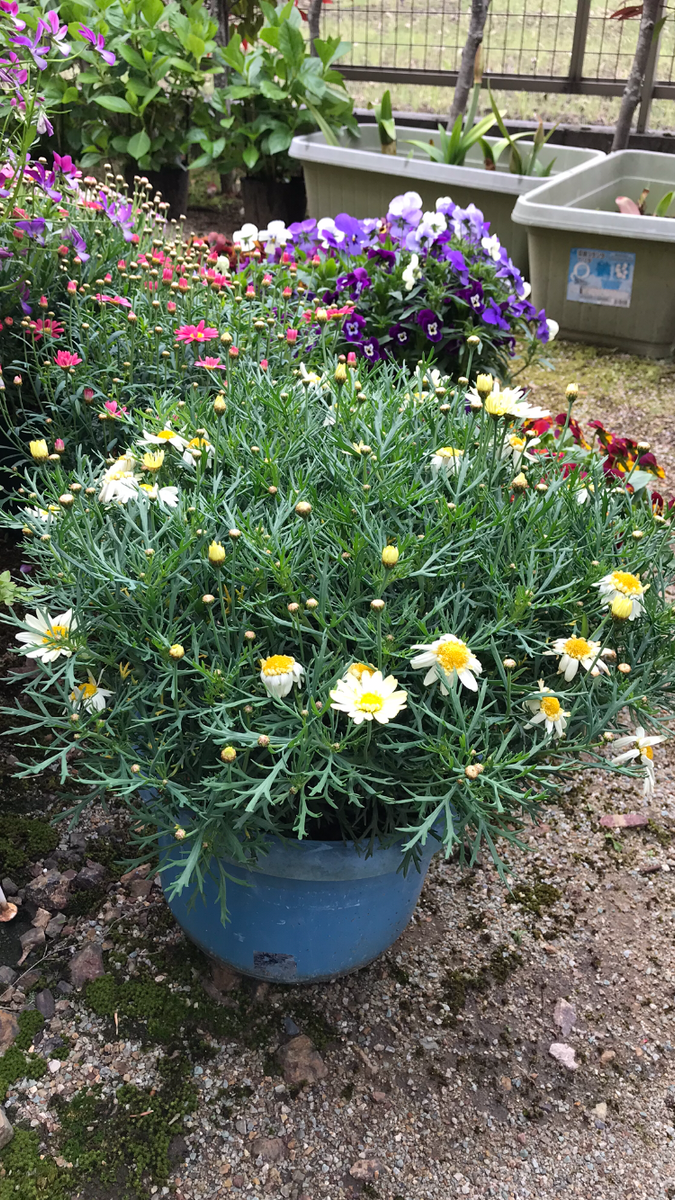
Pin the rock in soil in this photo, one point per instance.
(366, 1168)
(301, 1062)
(7, 975)
(9, 1029)
(270, 1149)
(87, 965)
(6, 1131)
(30, 941)
(564, 1054)
(565, 1016)
(50, 890)
(45, 1004)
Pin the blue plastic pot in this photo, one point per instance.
(312, 910)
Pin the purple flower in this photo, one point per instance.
(469, 223)
(43, 124)
(387, 257)
(57, 32)
(370, 349)
(24, 293)
(39, 53)
(353, 327)
(304, 233)
(119, 214)
(34, 228)
(473, 296)
(98, 42)
(543, 331)
(44, 179)
(455, 258)
(404, 211)
(446, 205)
(431, 324)
(357, 281)
(65, 164)
(523, 309)
(11, 8)
(493, 315)
(78, 242)
(355, 233)
(399, 334)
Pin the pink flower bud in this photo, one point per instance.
(59, 445)
(291, 336)
(88, 394)
(71, 286)
(263, 364)
(171, 306)
(43, 302)
(62, 251)
(351, 358)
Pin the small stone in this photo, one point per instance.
(366, 1168)
(30, 940)
(87, 965)
(9, 1029)
(428, 1043)
(55, 926)
(379, 1097)
(45, 1003)
(290, 1027)
(237, 1181)
(564, 1054)
(7, 995)
(565, 1016)
(650, 868)
(600, 1110)
(54, 1065)
(6, 1131)
(607, 1056)
(225, 979)
(624, 820)
(7, 975)
(301, 1062)
(9, 887)
(64, 987)
(140, 888)
(136, 873)
(48, 890)
(270, 1149)
(505, 1083)
(92, 876)
(42, 918)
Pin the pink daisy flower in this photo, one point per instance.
(65, 359)
(211, 364)
(195, 333)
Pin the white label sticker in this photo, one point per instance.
(601, 277)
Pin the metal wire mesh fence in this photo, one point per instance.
(530, 45)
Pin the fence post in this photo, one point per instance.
(579, 44)
(650, 76)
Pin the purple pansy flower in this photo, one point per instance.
(371, 350)
(404, 212)
(44, 179)
(387, 257)
(473, 296)
(119, 214)
(353, 327)
(493, 314)
(357, 281)
(355, 234)
(79, 243)
(399, 334)
(431, 323)
(303, 235)
(34, 228)
(543, 330)
(98, 43)
(65, 164)
(469, 223)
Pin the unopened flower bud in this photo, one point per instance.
(179, 833)
(234, 534)
(637, 534)
(340, 375)
(207, 598)
(509, 663)
(176, 651)
(519, 484)
(643, 447)
(250, 636)
(541, 487)
(484, 385)
(303, 509)
(228, 754)
(293, 607)
(572, 392)
(377, 605)
(263, 741)
(135, 768)
(219, 406)
(622, 607)
(216, 554)
(66, 500)
(390, 556)
(624, 668)
(311, 603)
(272, 490)
(474, 770)
(39, 450)
(473, 340)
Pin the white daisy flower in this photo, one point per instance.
(517, 448)
(43, 514)
(639, 746)
(454, 658)
(448, 459)
(508, 402)
(279, 672)
(310, 377)
(246, 237)
(197, 444)
(623, 592)
(166, 495)
(165, 437)
(585, 493)
(49, 636)
(368, 698)
(89, 695)
(575, 651)
(547, 708)
(412, 272)
(119, 483)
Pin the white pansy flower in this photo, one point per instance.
(275, 235)
(492, 246)
(455, 659)
(401, 205)
(412, 272)
(546, 709)
(368, 697)
(640, 747)
(48, 636)
(448, 459)
(222, 264)
(527, 290)
(327, 226)
(246, 237)
(279, 672)
(575, 651)
(553, 328)
(89, 695)
(431, 225)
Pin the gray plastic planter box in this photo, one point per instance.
(357, 178)
(605, 276)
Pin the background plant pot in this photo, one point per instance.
(311, 910)
(172, 182)
(266, 200)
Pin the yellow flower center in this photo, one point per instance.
(55, 634)
(87, 690)
(369, 702)
(166, 434)
(647, 751)
(628, 584)
(357, 669)
(277, 664)
(453, 656)
(197, 443)
(449, 452)
(551, 707)
(577, 647)
(517, 443)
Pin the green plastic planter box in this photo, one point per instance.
(606, 277)
(357, 178)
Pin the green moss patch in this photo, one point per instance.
(14, 1063)
(22, 840)
(534, 899)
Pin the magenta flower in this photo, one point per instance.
(211, 364)
(65, 359)
(195, 333)
(98, 42)
(59, 445)
(115, 409)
